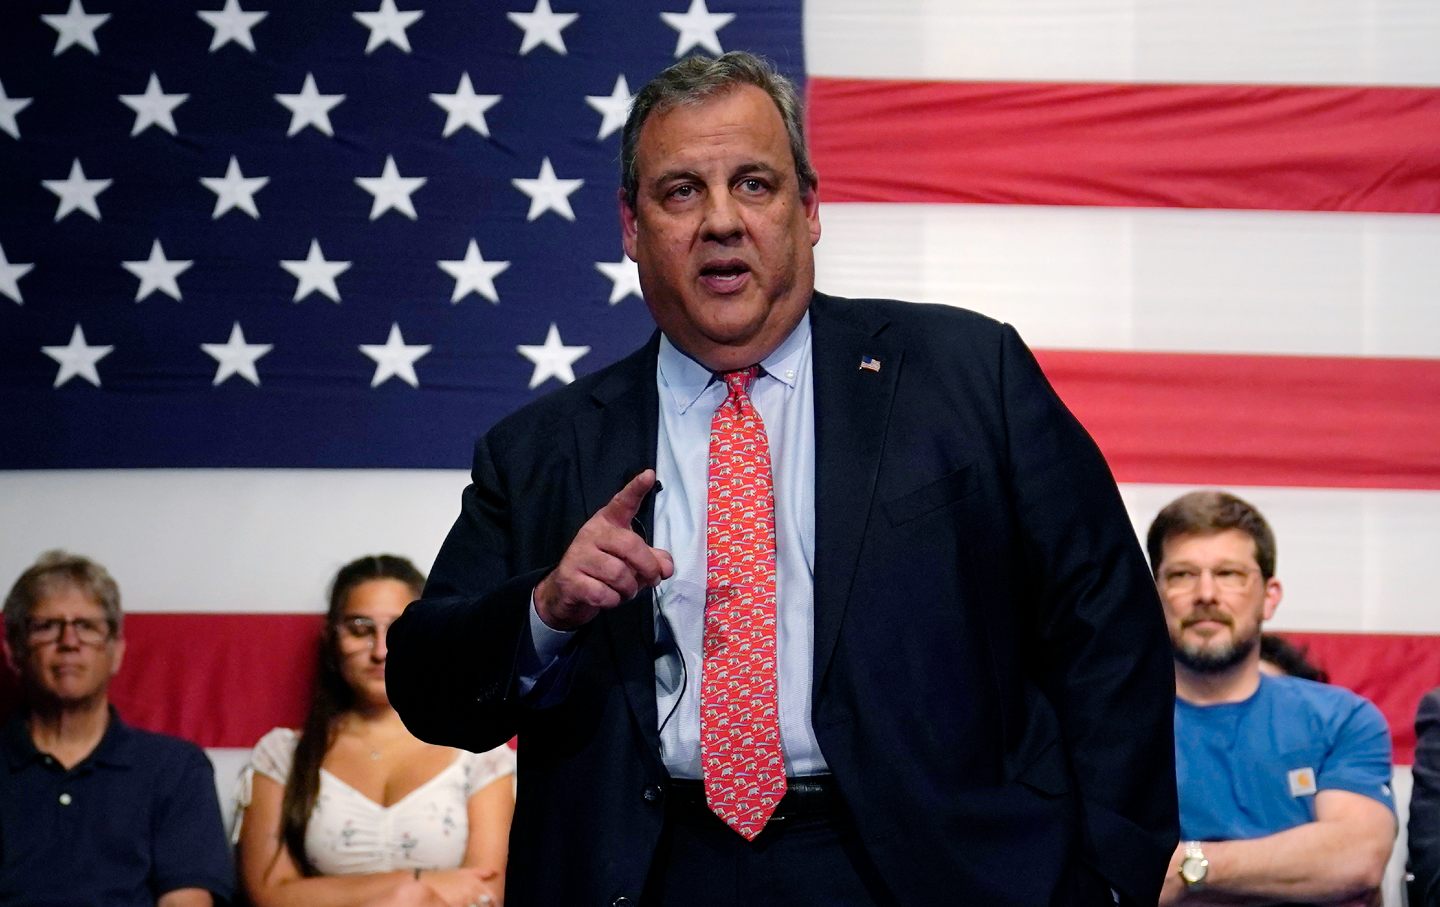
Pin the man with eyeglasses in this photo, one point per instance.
(93, 811)
(1284, 783)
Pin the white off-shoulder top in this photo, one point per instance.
(350, 833)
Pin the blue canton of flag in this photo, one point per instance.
(265, 234)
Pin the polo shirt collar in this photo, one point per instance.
(116, 747)
(16, 745)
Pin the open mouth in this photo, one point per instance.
(725, 276)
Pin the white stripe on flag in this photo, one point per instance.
(1152, 278)
(1301, 42)
(269, 540)
(226, 540)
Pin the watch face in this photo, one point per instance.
(1193, 869)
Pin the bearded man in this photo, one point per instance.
(1283, 782)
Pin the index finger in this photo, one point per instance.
(627, 501)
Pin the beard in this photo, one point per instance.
(1210, 659)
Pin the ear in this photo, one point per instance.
(11, 657)
(811, 201)
(629, 225)
(1273, 594)
(119, 656)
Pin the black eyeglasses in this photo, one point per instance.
(89, 631)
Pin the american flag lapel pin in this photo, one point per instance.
(869, 364)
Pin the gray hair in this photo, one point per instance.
(697, 79)
(55, 570)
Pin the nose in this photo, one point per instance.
(722, 217)
(378, 648)
(1205, 587)
(69, 636)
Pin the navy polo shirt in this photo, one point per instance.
(136, 818)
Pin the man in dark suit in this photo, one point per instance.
(969, 687)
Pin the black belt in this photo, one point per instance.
(812, 795)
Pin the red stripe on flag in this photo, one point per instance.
(1265, 147)
(1391, 670)
(223, 680)
(1257, 420)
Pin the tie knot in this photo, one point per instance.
(738, 381)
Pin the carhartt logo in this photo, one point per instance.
(1302, 782)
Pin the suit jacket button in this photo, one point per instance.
(652, 793)
(622, 901)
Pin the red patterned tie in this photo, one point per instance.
(740, 754)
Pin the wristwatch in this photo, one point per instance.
(1193, 865)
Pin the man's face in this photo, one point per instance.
(720, 231)
(69, 671)
(1215, 598)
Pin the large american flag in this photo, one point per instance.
(269, 269)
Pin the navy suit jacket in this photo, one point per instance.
(993, 686)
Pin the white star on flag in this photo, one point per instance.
(391, 190)
(613, 108)
(542, 26)
(8, 108)
(315, 274)
(553, 359)
(231, 24)
(76, 192)
(154, 107)
(10, 275)
(157, 273)
(474, 274)
(394, 358)
(624, 277)
(697, 26)
(465, 108)
(388, 24)
(76, 27)
(236, 357)
(548, 193)
(77, 358)
(234, 190)
(310, 107)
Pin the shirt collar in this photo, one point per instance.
(15, 743)
(683, 380)
(114, 747)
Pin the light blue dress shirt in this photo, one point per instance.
(783, 394)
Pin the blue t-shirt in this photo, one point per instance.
(136, 818)
(1253, 768)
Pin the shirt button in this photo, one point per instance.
(64, 799)
(790, 374)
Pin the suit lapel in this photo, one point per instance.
(615, 441)
(852, 411)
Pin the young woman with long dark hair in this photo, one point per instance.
(354, 810)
